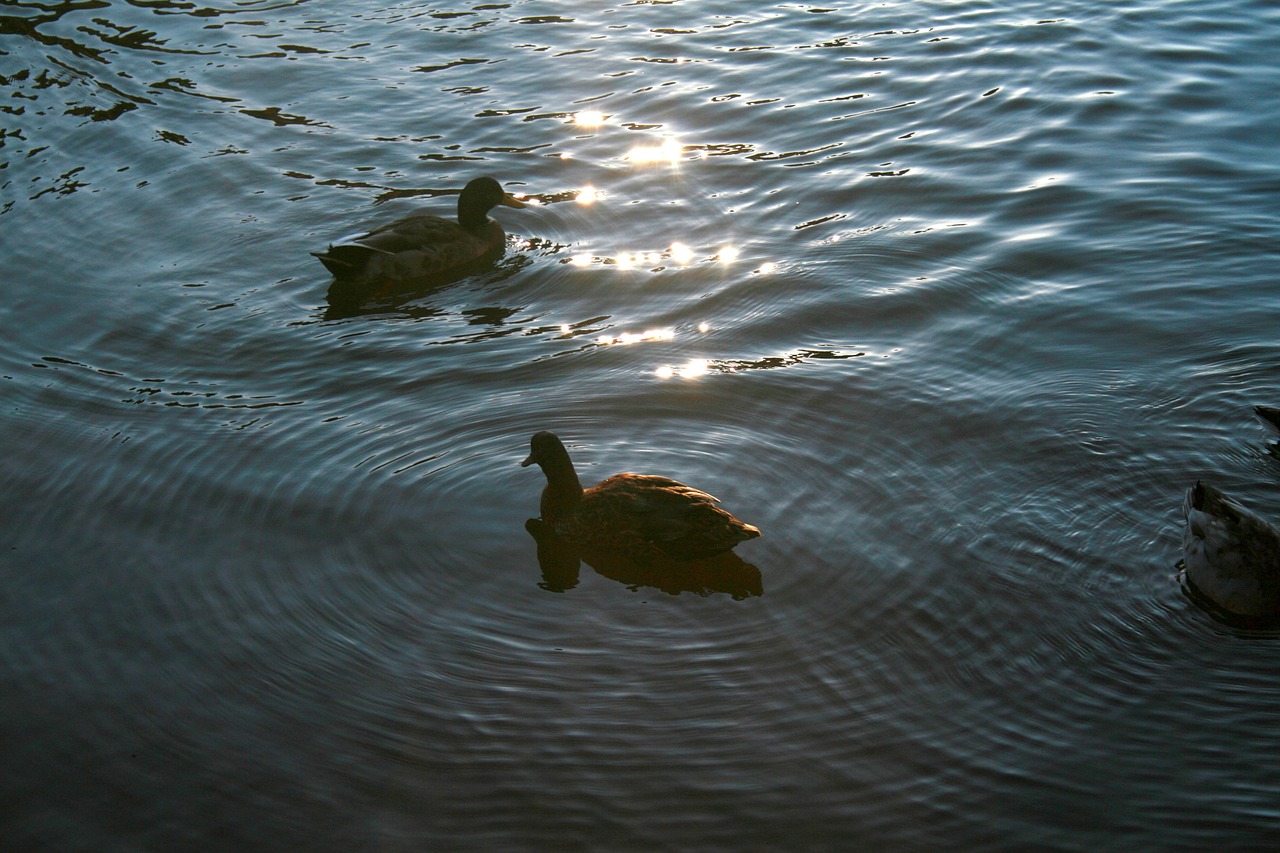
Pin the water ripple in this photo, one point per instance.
(952, 302)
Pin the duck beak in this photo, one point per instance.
(527, 462)
(511, 201)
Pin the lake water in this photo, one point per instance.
(952, 299)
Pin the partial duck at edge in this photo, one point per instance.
(1232, 556)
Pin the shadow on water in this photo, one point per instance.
(727, 572)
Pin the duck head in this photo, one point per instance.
(479, 197)
(563, 491)
(546, 450)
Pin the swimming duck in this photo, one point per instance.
(640, 516)
(1232, 556)
(422, 247)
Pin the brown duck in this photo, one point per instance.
(422, 247)
(640, 516)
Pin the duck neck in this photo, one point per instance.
(563, 492)
(471, 217)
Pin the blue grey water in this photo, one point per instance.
(952, 299)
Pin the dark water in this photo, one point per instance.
(1004, 286)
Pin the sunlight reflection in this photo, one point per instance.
(676, 253)
(630, 338)
(694, 367)
(589, 118)
(588, 195)
(668, 152)
(691, 369)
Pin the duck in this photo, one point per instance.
(641, 517)
(1232, 556)
(421, 247)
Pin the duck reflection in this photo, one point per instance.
(560, 563)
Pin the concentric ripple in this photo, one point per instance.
(952, 301)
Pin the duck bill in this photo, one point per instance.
(527, 462)
(511, 201)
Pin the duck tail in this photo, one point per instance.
(1270, 417)
(343, 260)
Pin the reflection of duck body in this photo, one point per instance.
(1232, 556)
(420, 248)
(726, 572)
(639, 516)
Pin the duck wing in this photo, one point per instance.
(412, 232)
(1232, 556)
(679, 521)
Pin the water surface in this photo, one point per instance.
(952, 300)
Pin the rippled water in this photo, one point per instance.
(965, 295)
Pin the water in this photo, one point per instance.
(1003, 288)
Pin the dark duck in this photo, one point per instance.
(1232, 556)
(639, 516)
(420, 249)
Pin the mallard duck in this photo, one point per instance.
(639, 516)
(1270, 417)
(1232, 556)
(422, 247)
